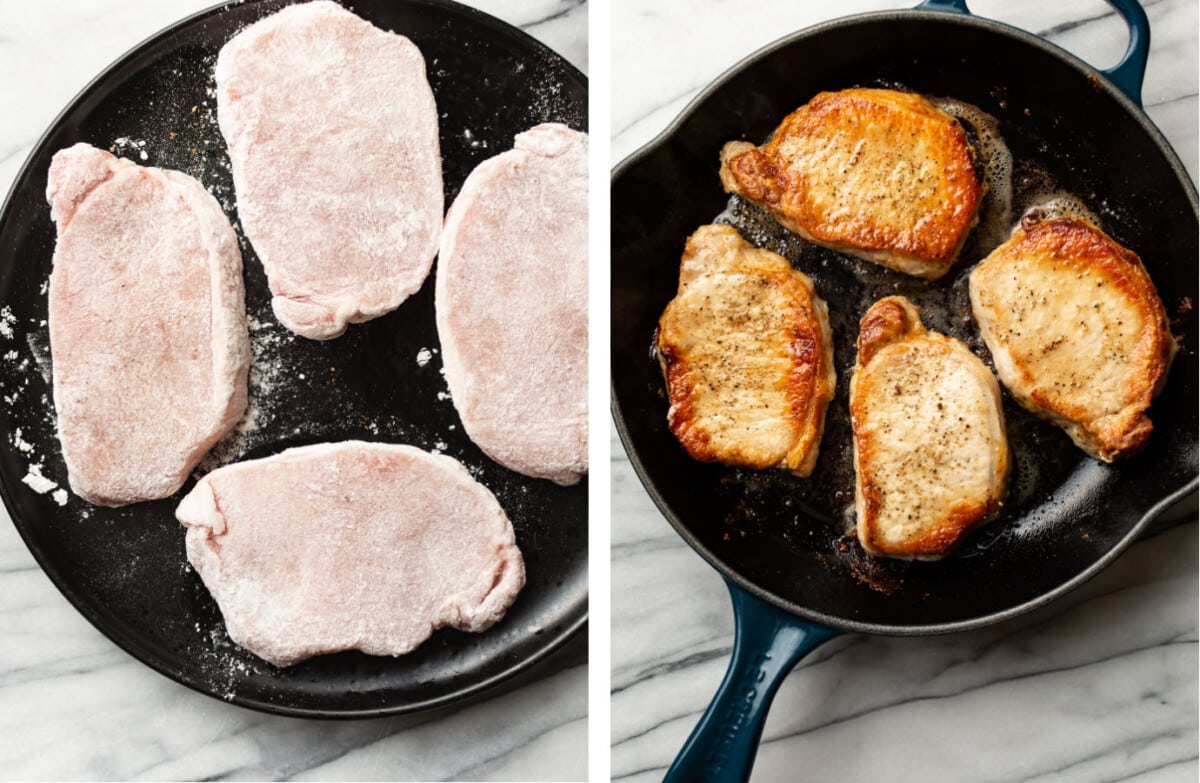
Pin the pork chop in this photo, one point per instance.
(882, 175)
(147, 320)
(333, 136)
(1076, 330)
(747, 354)
(930, 453)
(511, 299)
(353, 545)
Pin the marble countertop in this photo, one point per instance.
(75, 706)
(1100, 685)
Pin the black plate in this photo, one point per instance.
(784, 538)
(125, 569)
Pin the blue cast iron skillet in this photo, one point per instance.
(796, 578)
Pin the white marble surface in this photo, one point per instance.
(73, 705)
(1099, 686)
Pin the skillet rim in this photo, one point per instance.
(575, 619)
(694, 105)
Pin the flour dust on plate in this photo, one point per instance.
(126, 569)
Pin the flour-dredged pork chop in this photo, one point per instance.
(1076, 330)
(512, 304)
(353, 545)
(747, 354)
(147, 324)
(931, 456)
(333, 135)
(879, 174)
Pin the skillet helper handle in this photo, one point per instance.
(767, 642)
(1129, 74)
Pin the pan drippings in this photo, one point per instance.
(995, 164)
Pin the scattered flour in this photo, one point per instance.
(36, 481)
(474, 142)
(423, 357)
(18, 380)
(39, 347)
(19, 441)
(7, 320)
(268, 368)
(125, 147)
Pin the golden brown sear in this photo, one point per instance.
(747, 354)
(1076, 330)
(879, 174)
(931, 456)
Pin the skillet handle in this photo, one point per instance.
(954, 6)
(767, 642)
(1129, 74)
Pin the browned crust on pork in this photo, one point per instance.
(926, 222)
(890, 321)
(807, 385)
(936, 541)
(1081, 246)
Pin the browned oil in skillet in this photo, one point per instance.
(778, 509)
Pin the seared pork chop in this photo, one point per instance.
(879, 174)
(147, 323)
(930, 453)
(333, 136)
(512, 291)
(747, 354)
(353, 545)
(1076, 330)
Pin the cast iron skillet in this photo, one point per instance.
(125, 569)
(781, 542)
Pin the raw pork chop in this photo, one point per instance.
(747, 354)
(353, 545)
(147, 325)
(333, 135)
(512, 304)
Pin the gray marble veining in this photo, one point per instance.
(1098, 686)
(72, 704)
